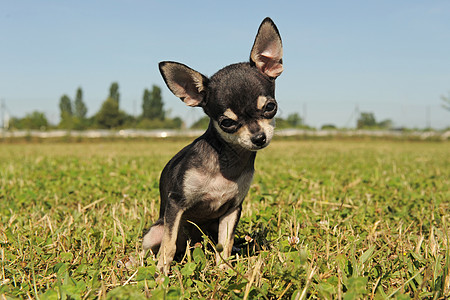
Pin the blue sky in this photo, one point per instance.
(391, 58)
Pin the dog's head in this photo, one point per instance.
(240, 98)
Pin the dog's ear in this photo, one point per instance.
(184, 82)
(267, 51)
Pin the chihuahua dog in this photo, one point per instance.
(207, 181)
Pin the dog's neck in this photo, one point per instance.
(233, 158)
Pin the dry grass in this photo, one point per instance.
(323, 219)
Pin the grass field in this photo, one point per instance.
(323, 219)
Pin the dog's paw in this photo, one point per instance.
(163, 268)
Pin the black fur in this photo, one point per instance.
(206, 182)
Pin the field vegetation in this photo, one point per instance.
(323, 219)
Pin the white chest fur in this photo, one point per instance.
(214, 189)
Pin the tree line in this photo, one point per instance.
(73, 114)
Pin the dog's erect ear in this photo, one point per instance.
(185, 83)
(267, 51)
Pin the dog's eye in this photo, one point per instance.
(228, 125)
(270, 109)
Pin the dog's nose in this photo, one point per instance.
(259, 139)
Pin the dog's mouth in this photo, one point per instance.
(257, 146)
(260, 147)
(256, 141)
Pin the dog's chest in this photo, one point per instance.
(212, 191)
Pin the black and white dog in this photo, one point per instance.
(207, 181)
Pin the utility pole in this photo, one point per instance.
(4, 115)
(356, 115)
(428, 117)
(2, 108)
(353, 117)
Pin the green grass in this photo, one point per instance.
(323, 219)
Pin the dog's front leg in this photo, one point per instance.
(227, 225)
(172, 219)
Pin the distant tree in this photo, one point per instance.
(15, 123)
(146, 104)
(201, 123)
(79, 117)
(109, 115)
(65, 107)
(294, 120)
(328, 126)
(114, 92)
(366, 120)
(446, 103)
(385, 124)
(80, 107)
(177, 122)
(157, 103)
(129, 121)
(152, 104)
(35, 120)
